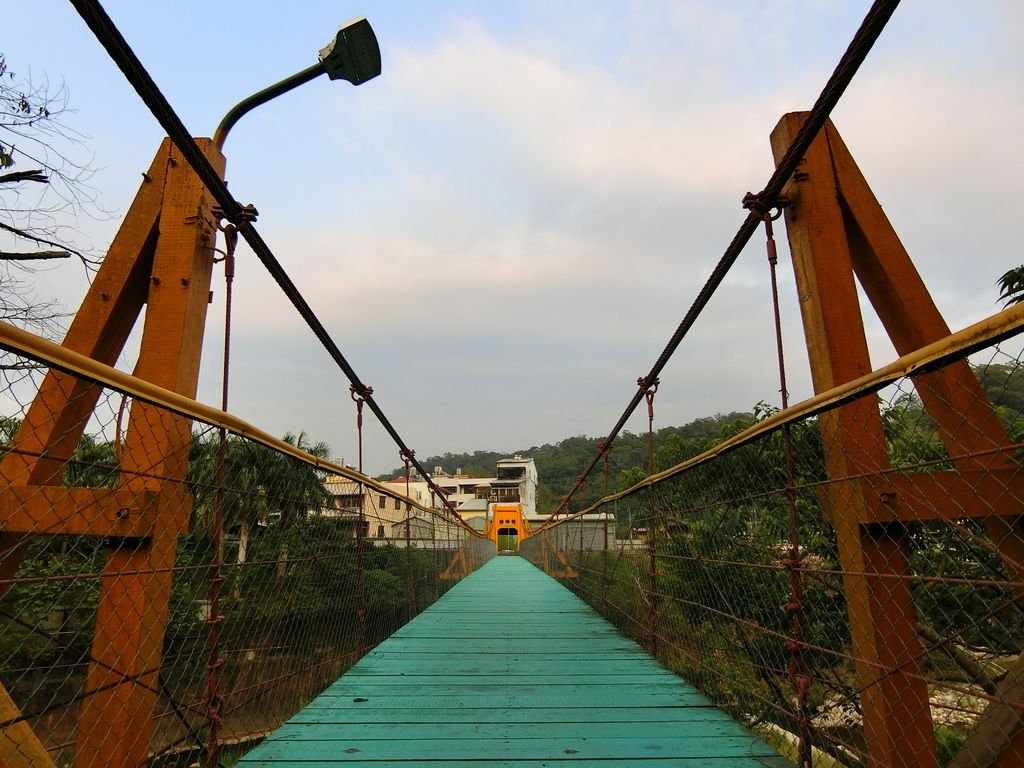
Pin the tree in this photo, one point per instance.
(1011, 286)
(243, 499)
(559, 465)
(260, 484)
(94, 464)
(300, 486)
(44, 188)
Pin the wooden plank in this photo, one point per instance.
(508, 680)
(707, 726)
(443, 646)
(491, 665)
(569, 746)
(630, 716)
(542, 696)
(521, 697)
(755, 761)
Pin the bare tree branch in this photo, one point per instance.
(37, 256)
(45, 173)
(15, 176)
(44, 241)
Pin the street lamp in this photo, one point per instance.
(353, 55)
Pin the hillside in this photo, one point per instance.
(558, 464)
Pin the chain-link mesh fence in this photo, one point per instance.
(173, 591)
(837, 577)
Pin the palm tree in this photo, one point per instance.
(245, 498)
(260, 484)
(299, 486)
(1011, 286)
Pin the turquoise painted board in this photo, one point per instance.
(509, 668)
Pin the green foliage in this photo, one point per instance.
(630, 477)
(912, 436)
(44, 597)
(385, 589)
(94, 465)
(949, 741)
(260, 485)
(1011, 286)
(911, 433)
(8, 426)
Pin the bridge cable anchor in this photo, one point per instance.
(757, 204)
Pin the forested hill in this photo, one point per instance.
(559, 464)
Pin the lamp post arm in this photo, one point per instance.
(261, 97)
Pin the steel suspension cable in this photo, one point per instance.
(362, 525)
(110, 37)
(799, 667)
(867, 34)
(215, 622)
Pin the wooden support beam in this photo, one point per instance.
(56, 510)
(952, 395)
(950, 496)
(19, 745)
(996, 740)
(57, 417)
(116, 721)
(55, 421)
(897, 717)
(458, 568)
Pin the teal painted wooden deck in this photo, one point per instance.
(509, 668)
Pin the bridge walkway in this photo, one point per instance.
(509, 668)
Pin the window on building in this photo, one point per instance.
(380, 531)
(505, 495)
(383, 502)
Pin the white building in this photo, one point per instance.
(475, 499)
(386, 518)
(380, 511)
(516, 483)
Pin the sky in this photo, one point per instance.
(502, 231)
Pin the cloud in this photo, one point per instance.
(503, 230)
(579, 124)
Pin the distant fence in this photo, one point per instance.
(806, 598)
(152, 563)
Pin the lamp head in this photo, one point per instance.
(353, 55)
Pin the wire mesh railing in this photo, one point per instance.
(853, 558)
(175, 590)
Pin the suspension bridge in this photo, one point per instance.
(838, 583)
